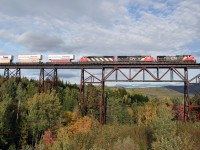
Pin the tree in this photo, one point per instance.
(5, 120)
(44, 112)
(21, 114)
(139, 99)
(70, 98)
(145, 113)
(8, 109)
(92, 97)
(9, 87)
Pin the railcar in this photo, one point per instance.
(6, 59)
(135, 59)
(61, 58)
(97, 59)
(29, 58)
(177, 58)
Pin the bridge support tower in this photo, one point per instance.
(8, 73)
(47, 80)
(91, 79)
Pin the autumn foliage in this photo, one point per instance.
(82, 125)
(52, 121)
(178, 112)
(48, 137)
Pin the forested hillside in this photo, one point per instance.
(52, 120)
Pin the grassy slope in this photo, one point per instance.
(159, 92)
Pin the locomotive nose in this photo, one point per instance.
(149, 58)
(83, 59)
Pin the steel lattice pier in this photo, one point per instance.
(114, 72)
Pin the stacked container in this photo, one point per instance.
(29, 58)
(61, 58)
(6, 59)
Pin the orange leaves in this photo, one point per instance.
(81, 125)
(48, 137)
(178, 111)
(84, 125)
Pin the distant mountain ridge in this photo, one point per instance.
(163, 91)
(193, 88)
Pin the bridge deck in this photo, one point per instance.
(77, 65)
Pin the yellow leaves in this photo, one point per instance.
(119, 92)
(146, 113)
(83, 125)
(130, 111)
(71, 117)
(126, 98)
(60, 142)
(68, 136)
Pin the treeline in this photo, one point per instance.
(52, 120)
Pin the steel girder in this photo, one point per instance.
(47, 76)
(9, 73)
(143, 74)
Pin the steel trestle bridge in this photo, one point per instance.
(114, 72)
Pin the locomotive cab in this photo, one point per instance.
(148, 59)
(189, 58)
(84, 59)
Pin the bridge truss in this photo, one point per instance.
(100, 73)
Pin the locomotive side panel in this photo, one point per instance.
(97, 59)
(177, 58)
(135, 59)
(167, 58)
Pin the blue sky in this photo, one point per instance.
(100, 27)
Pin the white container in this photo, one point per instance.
(61, 57)
(6, 57)
(3, 61)
(30, 57)
(29, 61)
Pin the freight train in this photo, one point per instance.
(67, 58)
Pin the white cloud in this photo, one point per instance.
(39, 42)
(93, 27)
(101, 27)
